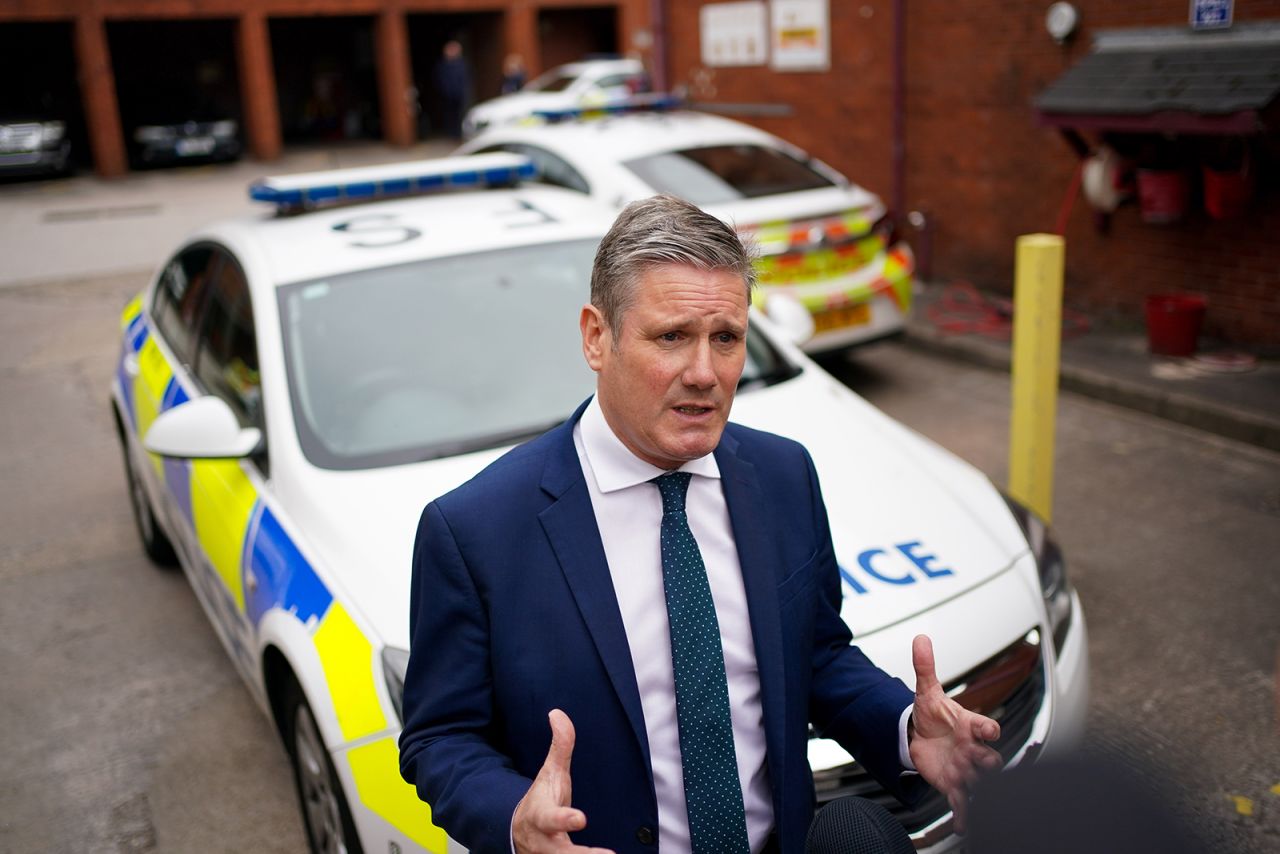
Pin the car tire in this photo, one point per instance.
(326, 817)
(154, 540)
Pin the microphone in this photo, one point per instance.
(856, 826)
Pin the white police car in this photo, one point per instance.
(292, 389)
(824, 241)
(589, 83)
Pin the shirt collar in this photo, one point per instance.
(613, 464)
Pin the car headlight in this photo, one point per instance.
(153, 133)
(226, 127)
(394, 664)
(53, 131)
(1051, 566)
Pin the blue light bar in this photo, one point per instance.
(369, 183)
(651, 103)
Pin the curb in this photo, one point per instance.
(1219, 419)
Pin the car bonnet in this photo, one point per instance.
(913, 525)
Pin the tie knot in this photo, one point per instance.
(672, 486)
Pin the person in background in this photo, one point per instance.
(453, 82)
(513, 73)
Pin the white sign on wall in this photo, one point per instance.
(1211, 14)
(734, 34)
(801, 35)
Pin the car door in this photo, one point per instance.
(224, 493)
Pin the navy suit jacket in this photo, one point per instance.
(513, 613)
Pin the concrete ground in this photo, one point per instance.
(86, 226)
(1110, 360)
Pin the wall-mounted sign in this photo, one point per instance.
(1211, 14)
(801, 35)
(734, 34)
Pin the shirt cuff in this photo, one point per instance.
(904, 752)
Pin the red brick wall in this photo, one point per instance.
(981, 168)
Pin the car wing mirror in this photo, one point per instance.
(790, 316)
(202, 428)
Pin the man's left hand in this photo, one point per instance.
(948, 745)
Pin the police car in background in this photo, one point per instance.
(589, 83)
(824, 241)
(293, 387)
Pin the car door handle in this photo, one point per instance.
(130, 364)
(251, 581)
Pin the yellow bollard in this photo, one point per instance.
(1037, 338)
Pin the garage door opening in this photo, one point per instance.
(480, 36)
(326, 78)
(178, 90)
(567, 35)
(42, 128)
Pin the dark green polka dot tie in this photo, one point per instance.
(717, 821)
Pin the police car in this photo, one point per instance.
(824, 241)
(292, 389)
(589, 83)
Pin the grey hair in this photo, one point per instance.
(657, 231)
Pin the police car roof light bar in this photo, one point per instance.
(654, 102)
(309, 190)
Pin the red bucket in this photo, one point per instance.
(1227, 194)
(1162, 195)
(1173, 323)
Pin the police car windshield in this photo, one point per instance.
(552, 81)
(726, 173)
(446, 356)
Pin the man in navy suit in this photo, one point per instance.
(622, 630)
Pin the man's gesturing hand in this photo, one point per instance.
(543, 818)
(948, 746)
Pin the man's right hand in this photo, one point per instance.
(543, 819)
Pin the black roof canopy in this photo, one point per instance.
(1170, 79)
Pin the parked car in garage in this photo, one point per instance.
(825, 241)
(291, 389)
(183, 138)
(33, 145)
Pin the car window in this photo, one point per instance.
(446, 356)
(179, 297)
(552, 81)
(614, 80)
(552, 168)
(724, 173)
(227, 350)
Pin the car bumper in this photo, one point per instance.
(188, 151)
(1046, 712)
(849, 308)
(41, 161)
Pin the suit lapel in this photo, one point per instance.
(758, 556)
(570, 525)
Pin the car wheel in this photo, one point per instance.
(154, 541)
(330, 829)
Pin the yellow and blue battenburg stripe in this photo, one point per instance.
(240, 534)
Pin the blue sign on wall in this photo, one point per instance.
(1211, 14)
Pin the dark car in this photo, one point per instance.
(184, 140)
(31, 145)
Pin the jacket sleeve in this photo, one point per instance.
(851, 700)
(447, 746)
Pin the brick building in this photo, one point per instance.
(985, 166)
(288, 70)
(931, 104)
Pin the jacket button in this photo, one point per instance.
(644, 836)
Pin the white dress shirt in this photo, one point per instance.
(628, 512)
